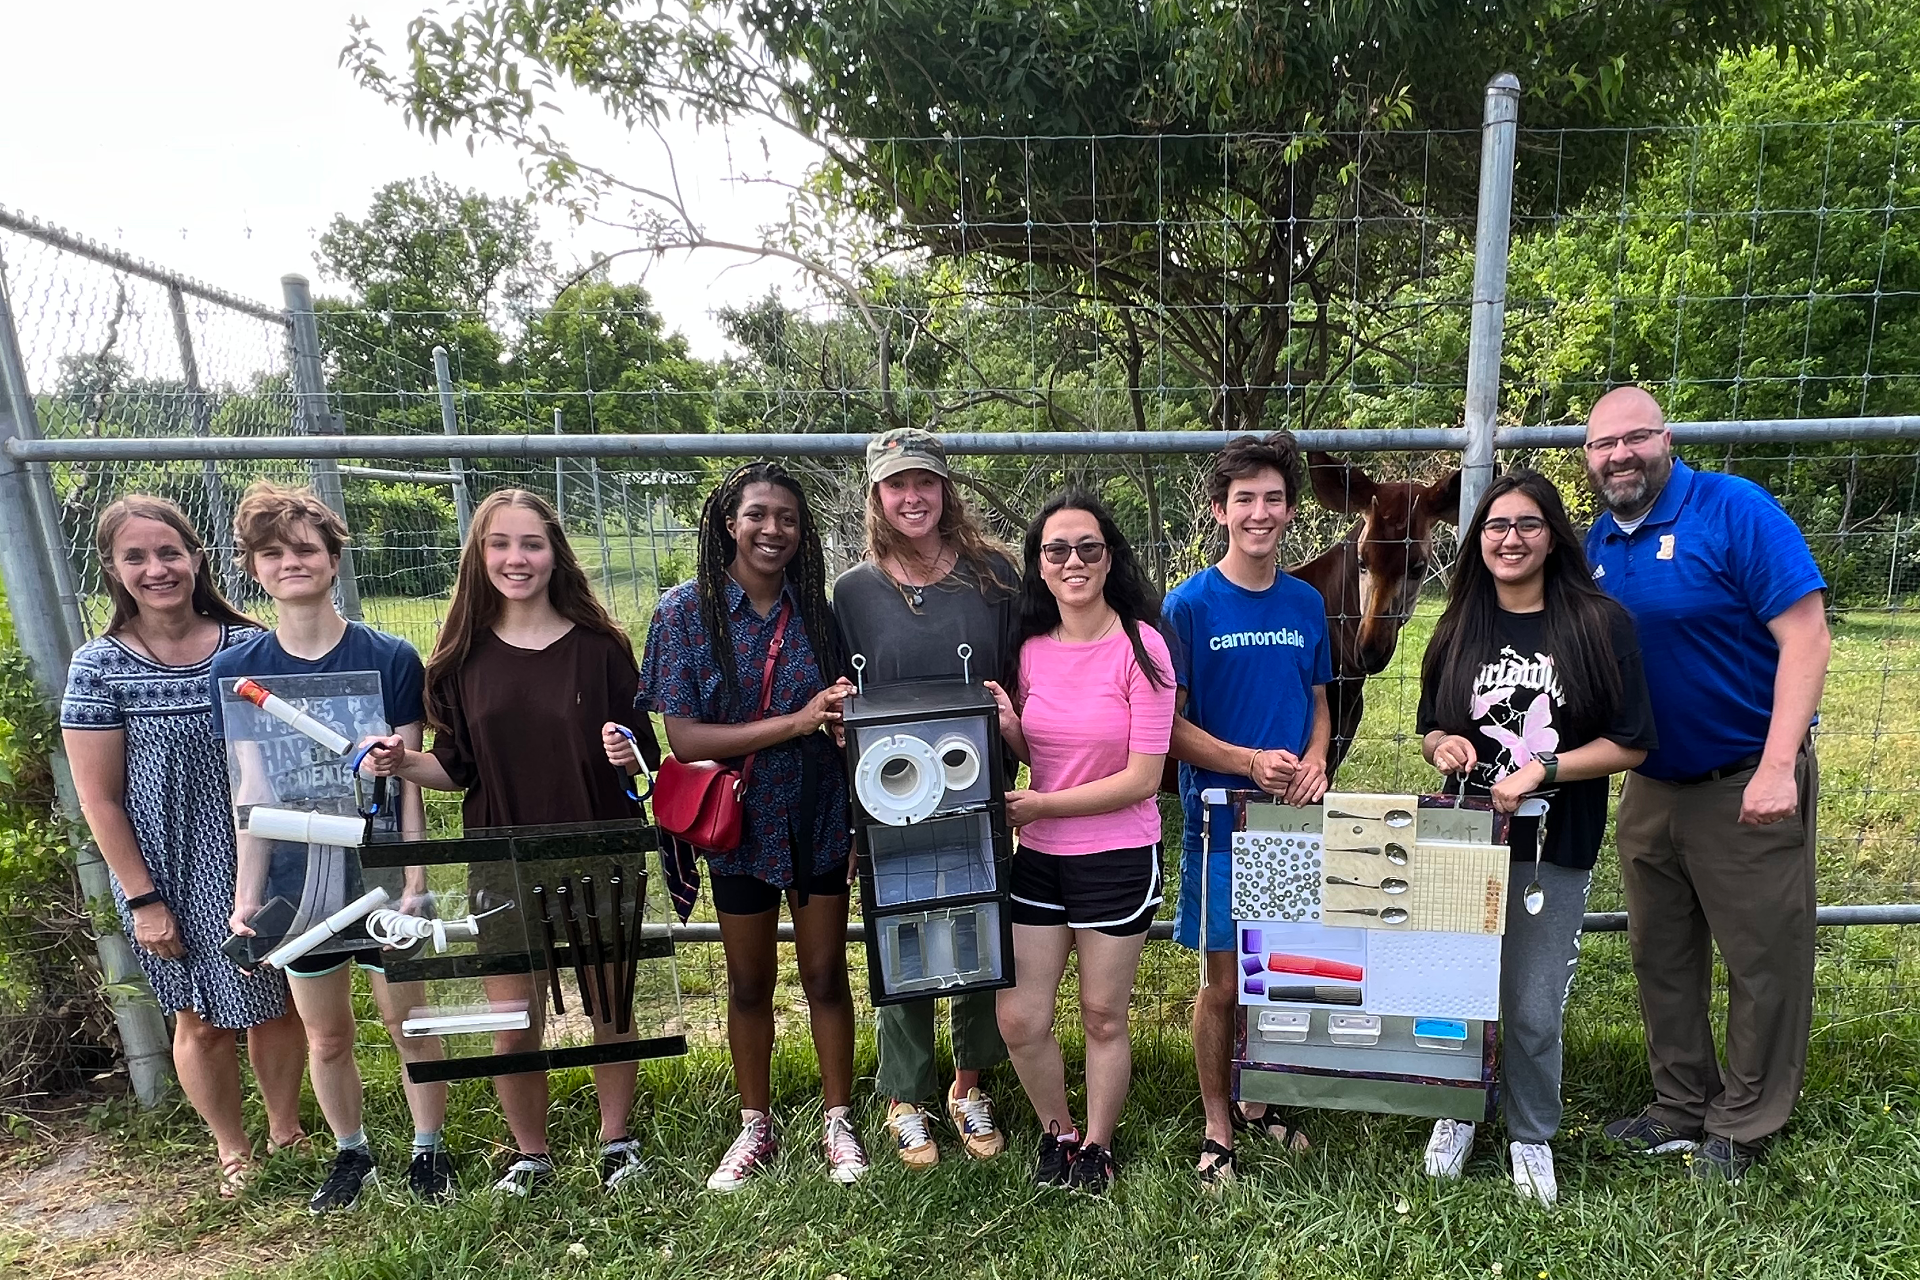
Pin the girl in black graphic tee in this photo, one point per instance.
(1532, 685)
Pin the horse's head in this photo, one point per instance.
(1393, 544)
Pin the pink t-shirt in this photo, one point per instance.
(1087, 707)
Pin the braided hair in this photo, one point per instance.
(807, 572)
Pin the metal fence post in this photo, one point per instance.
(18, 393)
(27, 563)
(1498, 136)
(201, 406)
(559, 475)
(310, 392)
(450, 423)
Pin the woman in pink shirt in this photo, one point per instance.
(1092, 718)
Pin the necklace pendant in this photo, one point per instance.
(918, 599)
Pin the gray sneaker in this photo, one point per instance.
(1644, 1135)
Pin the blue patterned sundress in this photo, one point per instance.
(176, 798)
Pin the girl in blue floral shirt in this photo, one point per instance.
(761, 574)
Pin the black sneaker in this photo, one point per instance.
(1093, 1170)
(352, 1170)
(619, 1160)
(1056, 1159)
(1646, 1136)
(526, 1177)
(430, 1176)
(1721, 1159)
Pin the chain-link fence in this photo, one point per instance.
(1090, 340)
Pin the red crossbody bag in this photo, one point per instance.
(702, 803)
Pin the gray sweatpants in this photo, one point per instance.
(1537, 958)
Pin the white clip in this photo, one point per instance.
(859, 664)
(966, 662)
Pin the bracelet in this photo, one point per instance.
(150, 898)
(1252, 760)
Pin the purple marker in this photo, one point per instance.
(1250, 942)
(1251, 965)
(1256, 986)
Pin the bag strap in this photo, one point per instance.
(766, 683)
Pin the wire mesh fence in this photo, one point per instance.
(1129, 284)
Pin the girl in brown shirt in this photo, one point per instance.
(527, 669)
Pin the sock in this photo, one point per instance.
(748, 1116)
(426, 1140)
(843, 1112)
(608, 1144)
(358, 1138)
(1072, 1135)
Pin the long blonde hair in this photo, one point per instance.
(959, 528)
(477, 604)
(208, 601)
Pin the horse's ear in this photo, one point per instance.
(1339, 484)
(1446, 499)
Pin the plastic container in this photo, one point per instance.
(1359, 1029)
(1286, 1026)
(1440, 1033)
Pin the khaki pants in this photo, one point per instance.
(1696, 877)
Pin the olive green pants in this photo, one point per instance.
(905, 1036)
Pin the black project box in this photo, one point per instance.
(925, 764)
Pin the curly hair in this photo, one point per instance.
(1128, 591)
(1248, 455)
(268, 513)
(807, 571)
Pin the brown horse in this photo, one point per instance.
(1371, 578)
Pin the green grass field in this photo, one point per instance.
(1835, 1198)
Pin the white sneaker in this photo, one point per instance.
(846, 1158)
(750, 1153)
(1448, 1148)
(1533, 1172)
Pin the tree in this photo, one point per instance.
(1238, 184)
(606, 340)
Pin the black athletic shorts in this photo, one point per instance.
(749, 896)
(1116, 892)
(318, 964)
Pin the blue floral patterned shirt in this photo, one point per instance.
(678, 678)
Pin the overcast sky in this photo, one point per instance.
(218, 138)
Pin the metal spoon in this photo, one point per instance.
(1385, 886)
(1394, 853)
(1535, 897)
(1392, 817)
(1388, 915)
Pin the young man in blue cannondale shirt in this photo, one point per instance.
(289, 542)
(1716, 825)
(1252, 660)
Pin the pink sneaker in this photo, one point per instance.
(751, 1152)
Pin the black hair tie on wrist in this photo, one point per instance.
(145, 900)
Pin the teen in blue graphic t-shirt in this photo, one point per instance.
(1252, 660)
(290, 542)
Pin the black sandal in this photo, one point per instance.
(1216, 1164)
(1268, 1124)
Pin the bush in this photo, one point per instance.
(406, 539)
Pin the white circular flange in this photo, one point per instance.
(899, 780)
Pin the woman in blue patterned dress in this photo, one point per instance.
(762, 576)
(152, 778)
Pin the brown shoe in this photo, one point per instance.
(908, 1123)
(972, 1117)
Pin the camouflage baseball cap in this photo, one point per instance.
(904, 449)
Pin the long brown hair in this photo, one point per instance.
(477, 605)
(959, 528)
(208, 601)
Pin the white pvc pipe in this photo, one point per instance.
(964, 772)
(306, 828)
(293, 717)
(331, 927)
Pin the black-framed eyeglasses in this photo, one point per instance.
(1632, 439)
(1526, 526)
(1090, 552)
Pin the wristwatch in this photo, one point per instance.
(147, 899)
(1551, 763)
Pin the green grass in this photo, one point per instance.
(1833, 1200)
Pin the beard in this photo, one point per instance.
(1628, 493)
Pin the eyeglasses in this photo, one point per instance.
(1632, 439)
(1526, 526)
(1091, 552)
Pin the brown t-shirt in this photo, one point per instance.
(524, 734)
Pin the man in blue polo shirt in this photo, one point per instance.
(1716, 827)
(1252, 659)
